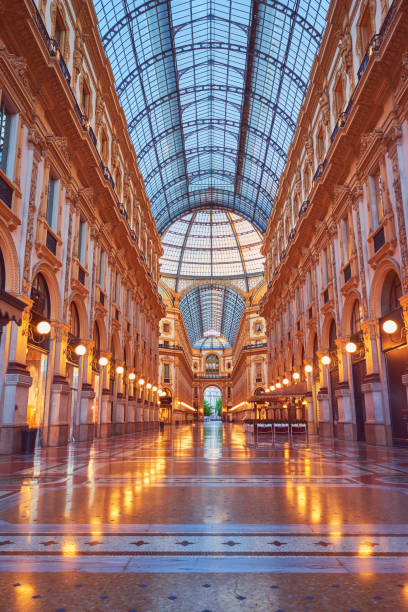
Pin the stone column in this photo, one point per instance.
(17, 381)
(377, 426)
(119, 409)
(346, 426)
(84, 423)
(404, 304)
(104, 420)
(58, 423)
(323, 397)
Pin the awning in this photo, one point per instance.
(11, 308)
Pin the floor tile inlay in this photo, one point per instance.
(199, 518)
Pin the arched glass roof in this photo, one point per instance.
(211, 91)
(218, 344)
(212, 312)
(211, 244)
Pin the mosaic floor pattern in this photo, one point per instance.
(199, 518)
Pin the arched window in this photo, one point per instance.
(97, 337)
(355, 321)
(2, 273)
(212, 364)
(41, 297)
(74, 326)
(391, 293)
(332, 335)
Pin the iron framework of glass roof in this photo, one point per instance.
(211, 244)
(212, 312)
(211, 91)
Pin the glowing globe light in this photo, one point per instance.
(308, 369)
(119, 370)
(267, 390)
(351, 347)
(149, 386)
(80, 350)
(141, 382)
(390, 326)
(285, 381)
(278, 385)
(154, 388)
(43, 327)
(272, 387)
(132, 376)
(296, 375)
(326, 360)
(103, 361)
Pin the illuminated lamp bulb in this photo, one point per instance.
(267, 390)
(285, 381)
(272, 387)
(278, 385)
(390, 326)
(141, 382)
(158, 402)
(296, 375)
(154, 388)
(149, 386)
(119, 370)
(103, 361)
(304, 403)
(80, 350)
(351, 347)
(43, 327)
(284, 406)
(308, 369)
(132, 376)
(326, 360)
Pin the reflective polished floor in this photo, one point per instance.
(204, 518)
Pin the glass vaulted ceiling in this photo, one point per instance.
(211, 92)
(212, 313)
(211, 244)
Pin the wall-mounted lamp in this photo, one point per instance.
(141, 382)
(132, 376)
(389, 326)
(296, 375)
(308, 369)
(326, 360)
(43, 328)
(80, 350)
(285, 381)
(119, 370)
(103, 361)
(351, 347)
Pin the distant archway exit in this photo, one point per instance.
(212, 402)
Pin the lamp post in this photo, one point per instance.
(80, 350)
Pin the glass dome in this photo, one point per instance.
(211, 244)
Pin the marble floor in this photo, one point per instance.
(203, 518)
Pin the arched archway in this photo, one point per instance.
(212, 401)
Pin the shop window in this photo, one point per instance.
(53, 203)
(166, 372)
(2, 273)
(41, 297)
(85, 98)
(82, 241)
(339, 96)
(60, 32)
(8, 134)
(102, 259)
(320, 145)
(104, 147)
(365, 30)
(376, 199)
